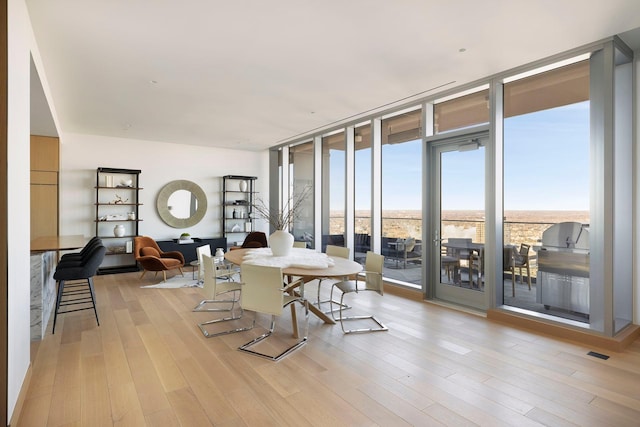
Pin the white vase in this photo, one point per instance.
(243, 186)
(118, 230)
(219, 256)
(281, 243)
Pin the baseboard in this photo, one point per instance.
(618, 343)
(15, 417)
(402, 291)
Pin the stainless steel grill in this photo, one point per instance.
(563, 268)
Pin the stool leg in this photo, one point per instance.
(58, 299)
(93, 298)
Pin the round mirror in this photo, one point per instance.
(181, 204)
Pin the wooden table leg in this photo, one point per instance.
(294, 320)
(325, 318)
(312, 308)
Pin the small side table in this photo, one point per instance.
(195, 264)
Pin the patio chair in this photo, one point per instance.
(476, 263)
(519, 259)
(450, 264)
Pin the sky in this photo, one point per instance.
(546, 167)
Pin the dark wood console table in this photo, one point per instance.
(188, 250)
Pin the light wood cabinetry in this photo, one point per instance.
(45, 166)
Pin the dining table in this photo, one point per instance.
(340, 268)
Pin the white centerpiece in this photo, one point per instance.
(281, 241)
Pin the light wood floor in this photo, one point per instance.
(147, 364)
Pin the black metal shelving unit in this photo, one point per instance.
(117, 203)
(237, 207)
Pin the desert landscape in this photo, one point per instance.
(520, 226)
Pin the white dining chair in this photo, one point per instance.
(264, 291)
(216, 282)
(331, 251)
(373, 281)
(200, 251)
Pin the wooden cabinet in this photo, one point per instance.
(44, 186)
(238, 198)
(117, 216)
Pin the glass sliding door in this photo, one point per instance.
(401, 240)
(458, 175)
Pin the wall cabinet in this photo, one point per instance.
(117, 216)
(44, 186)
(238, 198)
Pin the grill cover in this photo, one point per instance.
(566, 235)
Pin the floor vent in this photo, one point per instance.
(598, 355)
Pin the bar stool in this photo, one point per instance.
(75, 283)
(77, 257)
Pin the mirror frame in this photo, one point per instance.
(163, 207)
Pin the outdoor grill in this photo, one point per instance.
(563, 268)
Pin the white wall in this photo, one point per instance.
(160, 163)
(18, 345)
(636, 272)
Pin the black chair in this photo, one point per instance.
(255, 239)
(78, 257)
(75, 283)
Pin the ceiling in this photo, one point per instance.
(251, 74)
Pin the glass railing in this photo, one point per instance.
(403, 225)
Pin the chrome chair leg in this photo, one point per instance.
(207, 334)
(331, 310)
(381, 327)
(204, 302)
(203, 325)
(246, 347)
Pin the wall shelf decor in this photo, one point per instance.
(117, 217)
(238, 198)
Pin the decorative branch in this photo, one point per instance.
(283, 219)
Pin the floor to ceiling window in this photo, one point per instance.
(546, 192)
(333, 190)
(362, 192)
(559, 161)
(401, 240)
(301, 180)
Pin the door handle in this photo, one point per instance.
(437, 240)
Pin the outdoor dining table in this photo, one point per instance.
(341, 268)
(467, 248)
